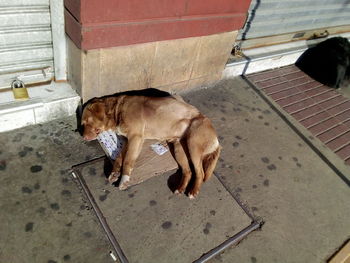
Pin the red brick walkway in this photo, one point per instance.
(320, 109)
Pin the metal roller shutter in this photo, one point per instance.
(275, 17)
(26, 50)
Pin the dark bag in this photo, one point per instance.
(328, 62)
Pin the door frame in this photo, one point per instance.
(58, 39)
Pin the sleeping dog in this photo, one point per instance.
(155, 114)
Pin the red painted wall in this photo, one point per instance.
(106, 23)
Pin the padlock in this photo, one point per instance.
(19, 90)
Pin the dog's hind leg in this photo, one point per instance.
(196, 158)
(182, 161)
(197, 163)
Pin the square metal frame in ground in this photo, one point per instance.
(256, 222)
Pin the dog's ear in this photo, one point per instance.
(110, 106)
(79, 116)
(97, 109)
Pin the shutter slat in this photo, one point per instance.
(275, 17)
(25, 36)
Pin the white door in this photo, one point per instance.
(26, 48)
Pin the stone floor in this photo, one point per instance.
(45, 216)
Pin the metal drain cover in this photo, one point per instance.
(148, 223)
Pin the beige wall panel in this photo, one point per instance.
(126, 68)
(173, 61)
(213, 54)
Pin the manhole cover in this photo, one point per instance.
(148, 223)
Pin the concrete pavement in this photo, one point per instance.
(45, 216)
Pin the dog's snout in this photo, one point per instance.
(88, 138)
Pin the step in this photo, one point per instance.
(46, 103)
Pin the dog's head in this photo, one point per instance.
(94, 119)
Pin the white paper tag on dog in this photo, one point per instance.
(159, 148)
(111, 143)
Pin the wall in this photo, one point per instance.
(172, 65)
(118, 45)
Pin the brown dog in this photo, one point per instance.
(154, 114)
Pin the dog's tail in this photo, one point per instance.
(209, 163)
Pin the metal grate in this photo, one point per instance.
(272, 17)
(26, 47)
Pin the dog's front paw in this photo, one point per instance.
(124, 182)
(177, 192)
(113, 177)
(116, 168)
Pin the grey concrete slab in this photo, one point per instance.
(304, 204)
(44, 216)
(151, 224)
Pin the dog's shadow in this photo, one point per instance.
(107, 169)
(174, 181)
